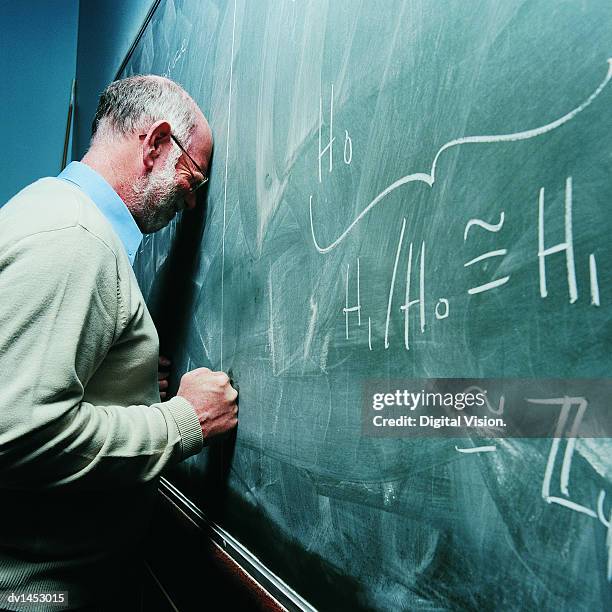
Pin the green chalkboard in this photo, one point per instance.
(455, 156)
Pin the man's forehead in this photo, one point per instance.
(201, 142)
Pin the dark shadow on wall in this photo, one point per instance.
(171, 303)
(172, 298)
(180, 554)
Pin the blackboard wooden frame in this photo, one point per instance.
(230, 557)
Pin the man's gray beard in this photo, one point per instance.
(159, 197)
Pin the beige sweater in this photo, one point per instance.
(83, 434)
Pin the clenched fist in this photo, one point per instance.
(213, 398)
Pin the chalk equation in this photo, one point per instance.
(429, 178)
(556, 490)
(409, 269)
(415, 265)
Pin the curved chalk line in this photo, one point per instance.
(429, 179)
(490, 227)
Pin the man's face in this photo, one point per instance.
(161, 196)
(164, 192)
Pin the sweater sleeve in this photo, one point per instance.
(58, 319)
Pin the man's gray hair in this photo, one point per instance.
(135, 103)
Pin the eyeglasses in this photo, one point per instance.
(201, 183)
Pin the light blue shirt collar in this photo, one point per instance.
(108, 203)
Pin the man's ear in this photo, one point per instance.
(156, 143)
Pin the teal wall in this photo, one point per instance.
(44, 44)
(107, 29)
(37, 62)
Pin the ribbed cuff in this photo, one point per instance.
(188, 425)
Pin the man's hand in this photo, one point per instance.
(163, 372)
(213, 398)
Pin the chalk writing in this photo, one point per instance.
(429, 178)
(567, 246)
(328, 149)
(357, 308)
(420, 300)
(496, 253)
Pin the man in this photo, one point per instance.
(83, 433)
